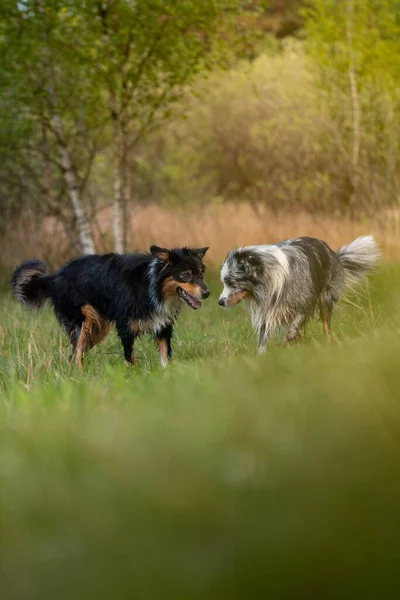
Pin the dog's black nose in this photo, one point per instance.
(221, 302)
(205, 294)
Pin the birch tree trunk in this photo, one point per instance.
(355, 105)
(85, 236)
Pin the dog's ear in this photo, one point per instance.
(200, 252)
(161, 253)
(253, 260)
(252, 265)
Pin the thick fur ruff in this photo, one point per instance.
(283, 283)
(139, 293)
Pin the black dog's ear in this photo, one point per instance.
(161, 253)
(200, 251)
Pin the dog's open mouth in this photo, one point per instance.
(188, 299)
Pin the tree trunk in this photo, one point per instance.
(356, 115)
(126, 195)
(85, 236)
(47, 179)
(115, 114)
(355, 105)
(117, 206)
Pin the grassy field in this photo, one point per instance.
(227, 476)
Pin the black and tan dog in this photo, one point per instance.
(139, 293)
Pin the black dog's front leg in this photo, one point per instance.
(127, 338)
(163, 341)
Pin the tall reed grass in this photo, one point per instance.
(220, 226)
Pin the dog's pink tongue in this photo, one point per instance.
(196, 303)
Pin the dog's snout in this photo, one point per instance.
(221, 302)
(205, 293)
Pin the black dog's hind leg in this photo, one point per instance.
(92, 331)
(73, 332)
(325, 309)
(72, 328)
(127, 337)
(163, 341)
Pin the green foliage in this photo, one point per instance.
(90, 64)
(279, 131)
(215, 479)
(257, 133)
(44, 75)
(354, 45)
(145, 51)
(367, 30)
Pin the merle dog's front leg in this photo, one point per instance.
(263, 334)
(163, 341)
(294, 332)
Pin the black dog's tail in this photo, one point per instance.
(31, 285)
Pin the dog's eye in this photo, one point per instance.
(186, 276)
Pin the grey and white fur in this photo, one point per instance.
(283, 284)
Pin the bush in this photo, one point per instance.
(265, 132)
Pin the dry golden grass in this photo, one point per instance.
(223, 226)
(219, 226)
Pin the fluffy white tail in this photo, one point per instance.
(357, 258)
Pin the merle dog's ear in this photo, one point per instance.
(161, 253)
(200, 252)
(252, 264)
(253, 260)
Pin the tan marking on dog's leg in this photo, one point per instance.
(325, 313)
(163, 349)
(327, 329)
(93, 331)
(81, 345)
(132, 361)
(135, 327)
(97, 335)
(98, 326)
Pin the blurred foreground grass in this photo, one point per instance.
(228, 476)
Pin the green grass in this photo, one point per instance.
(227, 476)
